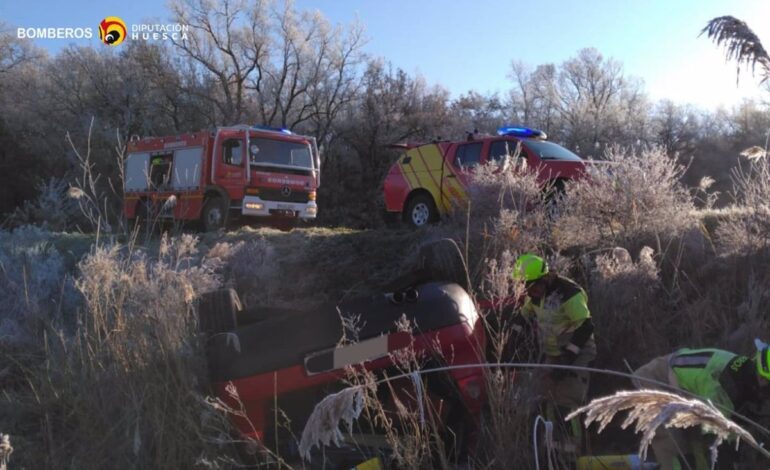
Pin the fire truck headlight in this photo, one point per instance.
(254, 206)
(311, 196)
(311, 210)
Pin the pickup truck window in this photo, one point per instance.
(499, 150)
(550, 151)
(468, 155)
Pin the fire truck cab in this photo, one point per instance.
(208, 176)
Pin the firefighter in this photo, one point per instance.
(559, 307)
(158, 170)
(730, 381)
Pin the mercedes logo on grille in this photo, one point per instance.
(286, 191)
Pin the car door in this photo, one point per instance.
(230, 163)
(467, 157)
(508, 149)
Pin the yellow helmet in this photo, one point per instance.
(529, 268)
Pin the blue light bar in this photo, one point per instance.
(274, 129)
(515, 131)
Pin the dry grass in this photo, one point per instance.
(323, 426)
(396, 404)
(122, 382)
(749, 228)
(740, 42)
(111, 370)
(627, 298)
(404, 410)
(508, 211)
(5, 450)
(648, 410)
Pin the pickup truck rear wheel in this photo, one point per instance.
(421, 211)
(217, 311)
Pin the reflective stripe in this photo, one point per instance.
(699, 360)
(424, 167)
(572, 348)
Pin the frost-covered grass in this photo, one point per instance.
(102, 361)
(103, 365)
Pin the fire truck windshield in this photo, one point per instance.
(280, 152)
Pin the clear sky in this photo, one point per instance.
(469, 45)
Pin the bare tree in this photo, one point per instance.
(589, 92)
(278, 65)
(474, 111)
(587, 102)
(229, 40)
(546, 96)
(676, 128)
(740, 42)
(392, 107)
(522, 96)
(14, 52)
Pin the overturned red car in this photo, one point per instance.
(262, 360)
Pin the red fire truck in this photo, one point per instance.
(248, 171)
(429, 179)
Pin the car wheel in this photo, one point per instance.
(217, 311)
(443, 259)
(421, 211)
(214, 214)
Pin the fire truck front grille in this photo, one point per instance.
(279, 195)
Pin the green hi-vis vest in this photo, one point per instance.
(698, 371)
(563, 308)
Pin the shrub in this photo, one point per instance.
(628, 305)
(748, 227)
(249, 267)
(508, 211)
(125, 387)
(52, 209)
(33, 283)
(633, 198)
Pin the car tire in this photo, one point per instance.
(443, 259)
(214, 214)
(217, 311)
(421, 211)
(555, 190)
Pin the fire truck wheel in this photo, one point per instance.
(214, 214)
(217, 311)
(142, 216)
(421, 211)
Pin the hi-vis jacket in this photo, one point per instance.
(704, 373)
(559, 313)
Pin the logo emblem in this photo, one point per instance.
(286, 191)
(112, 31)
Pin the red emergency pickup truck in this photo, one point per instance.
(429, 179)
